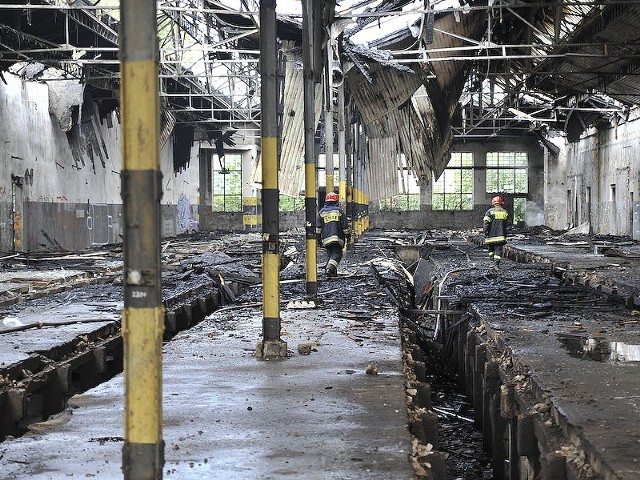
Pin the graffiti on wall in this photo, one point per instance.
(186, 221)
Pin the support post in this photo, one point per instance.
(272, 347)
(328, 118)
(141, 190)
(351, 142)
(311, 244)
(204, 186)
(357, 182)
(364, 190)
(342, 155)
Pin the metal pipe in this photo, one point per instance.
(272, 347)
(357, 212)
(80, 61)
(194, 110)
(310, 204)
(328, 133)
(342, 177)
(143, 314)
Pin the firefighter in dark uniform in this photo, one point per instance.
(495, 229)
(332, 229)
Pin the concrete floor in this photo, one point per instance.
(574, 351)
(229, 416)
(321, 416)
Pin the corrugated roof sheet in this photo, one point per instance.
(383, 179)
(388, 90)
(291, 176)
(414, 109)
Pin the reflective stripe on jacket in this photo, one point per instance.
(495, 225)
(332, 224)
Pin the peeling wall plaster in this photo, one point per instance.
(70, 177)
(64, 95)
(596, 180)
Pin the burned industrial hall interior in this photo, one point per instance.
(320, 240)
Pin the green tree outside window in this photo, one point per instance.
(507, 172)
(453, 190)
(227, 184)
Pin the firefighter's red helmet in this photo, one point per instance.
(497, 200)
(331, 197)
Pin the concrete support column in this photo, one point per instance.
(310, 203)
(205, 197)
(17, 212)
(426, 192)
(143, 315)
(480, 196)
(272, 347)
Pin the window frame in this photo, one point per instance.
(287, 203)
(231, 201)
(460, 163)
(509, 169)
(408, 198)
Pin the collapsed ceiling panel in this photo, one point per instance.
(291, 176)
(383, 179)
(424, 72)
(388, 89)
(420, 101)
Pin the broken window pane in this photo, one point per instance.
(507, 172)
(454, 189)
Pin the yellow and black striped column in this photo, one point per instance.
(310, 202)
(143, 315)
(364, 188)
(251, 212)
(349, 172)
(272, 347)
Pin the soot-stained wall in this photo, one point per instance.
(595, 181)
(60, 170)
(471, 219)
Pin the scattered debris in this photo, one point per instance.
(372, 369)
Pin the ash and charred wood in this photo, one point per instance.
(416, 312)
(359, 65)
(28, 326)
(447, 413)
